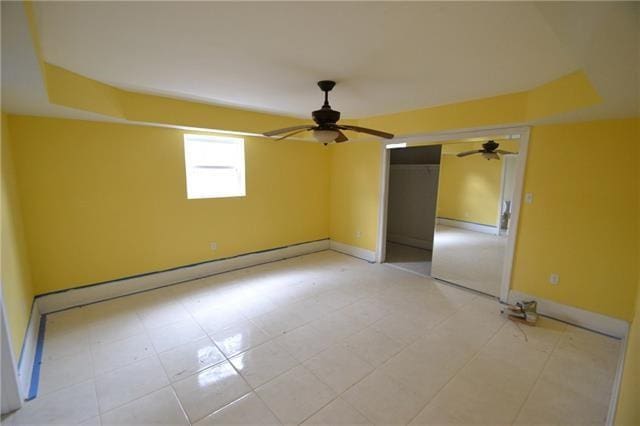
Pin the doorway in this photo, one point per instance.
(413, 188)
(475, 208)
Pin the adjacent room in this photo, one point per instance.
(332, 213)
(448, 210)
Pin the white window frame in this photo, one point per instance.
(238, 164)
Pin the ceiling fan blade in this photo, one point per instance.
(291, 134)
(341, 137)
(464, 154)
(368, 131)
(499, 151)
(287, 129)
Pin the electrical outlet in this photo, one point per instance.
(358, 235)
(213, 246)
(554, 279)
(528, 197)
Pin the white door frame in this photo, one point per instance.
(444, 137)
(11, 395)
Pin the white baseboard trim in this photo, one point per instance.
(28, 353)
(410, 241)
(485, 229)
(617, 382)
(590, 320)
(364, 254)
(94, 293)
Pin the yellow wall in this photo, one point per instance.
(628, 410)
(583, 221)
(17, 293)
(355, 187)
(469, 189)
(104, 201)
(567, 93)
(581, 225)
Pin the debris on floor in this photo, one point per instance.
(525, 312)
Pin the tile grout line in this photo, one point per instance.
(376, 368)
(339, 395)
(155, 353)
(539, 376)
(475, 355)
(228, 359)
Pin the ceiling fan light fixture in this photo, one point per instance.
(325, 135)
(491, 155)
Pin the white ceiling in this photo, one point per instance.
(23, 90)
(386, 57)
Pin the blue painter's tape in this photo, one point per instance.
(37, 360)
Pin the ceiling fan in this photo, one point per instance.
(327, 130)
(489, 151)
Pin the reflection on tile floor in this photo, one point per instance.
(318, 339)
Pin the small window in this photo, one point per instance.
(214, 166)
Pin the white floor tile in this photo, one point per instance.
(115, 328)
(217, 317)
(159, 408)
(400, 329)
(303, 342)
(62, 372)
(239, 337)
(367, 311)
(94, 421)
(263, 363)
(338, 326)
(66, 322)
(210, 390)
(128, 383)
(295, 395)
(383, 400)
(423, 375)
(256, 305)
(112, 355)
(553, 403)
(163, 315)
(338, 368)
(490, 395)
(337, 412)
(70, 405)
(188, 359)
(278, 322)
(176, 334)
(66, 344)
(248, 410)
(372, 346)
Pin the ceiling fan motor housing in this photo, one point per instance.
(490, 146)
(325, 116)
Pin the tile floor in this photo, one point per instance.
(409, 258)
(318, 339)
